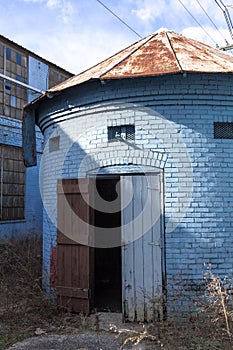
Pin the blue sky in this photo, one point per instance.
(77, 34)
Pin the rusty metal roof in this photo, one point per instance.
(160, 53)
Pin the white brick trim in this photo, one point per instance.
(133, 157)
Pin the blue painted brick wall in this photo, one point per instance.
(192, 104)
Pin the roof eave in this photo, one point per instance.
(50, 94)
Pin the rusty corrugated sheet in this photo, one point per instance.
(154, 57)
(198, 57)
(160, 53)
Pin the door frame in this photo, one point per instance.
(160, 173)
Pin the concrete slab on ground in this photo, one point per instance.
(96, 337)
(82, 341)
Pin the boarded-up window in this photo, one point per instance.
(12, 183)
(54, 144)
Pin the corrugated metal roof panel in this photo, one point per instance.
(155, 57)
(194, 56)
(158, 54)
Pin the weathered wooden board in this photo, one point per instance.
(141, 250)
(74, 260)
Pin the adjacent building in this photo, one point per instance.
(23, 77)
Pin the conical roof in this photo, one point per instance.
(160, 53)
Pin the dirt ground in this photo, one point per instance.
(96, 337)
(26, 312)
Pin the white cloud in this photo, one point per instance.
(66, 9)
(64, 6)
(82, 41)
(144, 14)
(52, 3)
(148, 10)
(197, 33)
(81, 51)
(171, 14)
(34, 1)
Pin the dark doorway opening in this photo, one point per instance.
(107, 261)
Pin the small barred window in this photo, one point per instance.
(223, 130)
(125, 132)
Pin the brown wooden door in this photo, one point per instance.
(74, 256)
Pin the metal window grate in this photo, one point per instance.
(223, 130)
(125, 132)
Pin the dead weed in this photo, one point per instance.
(24, 307)
(25, 310)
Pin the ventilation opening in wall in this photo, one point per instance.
(125, 132)
(54, 143)
(223, 130)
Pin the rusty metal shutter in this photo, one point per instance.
(74, 260)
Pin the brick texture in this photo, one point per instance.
(174, 118)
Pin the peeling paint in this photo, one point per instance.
(53, 267)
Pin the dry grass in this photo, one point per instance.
(209, 328)
(23, 305)
(135, 337)
(194, 334)
(24, 308)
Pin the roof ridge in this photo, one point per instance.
(145, 40)
(173, 51)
